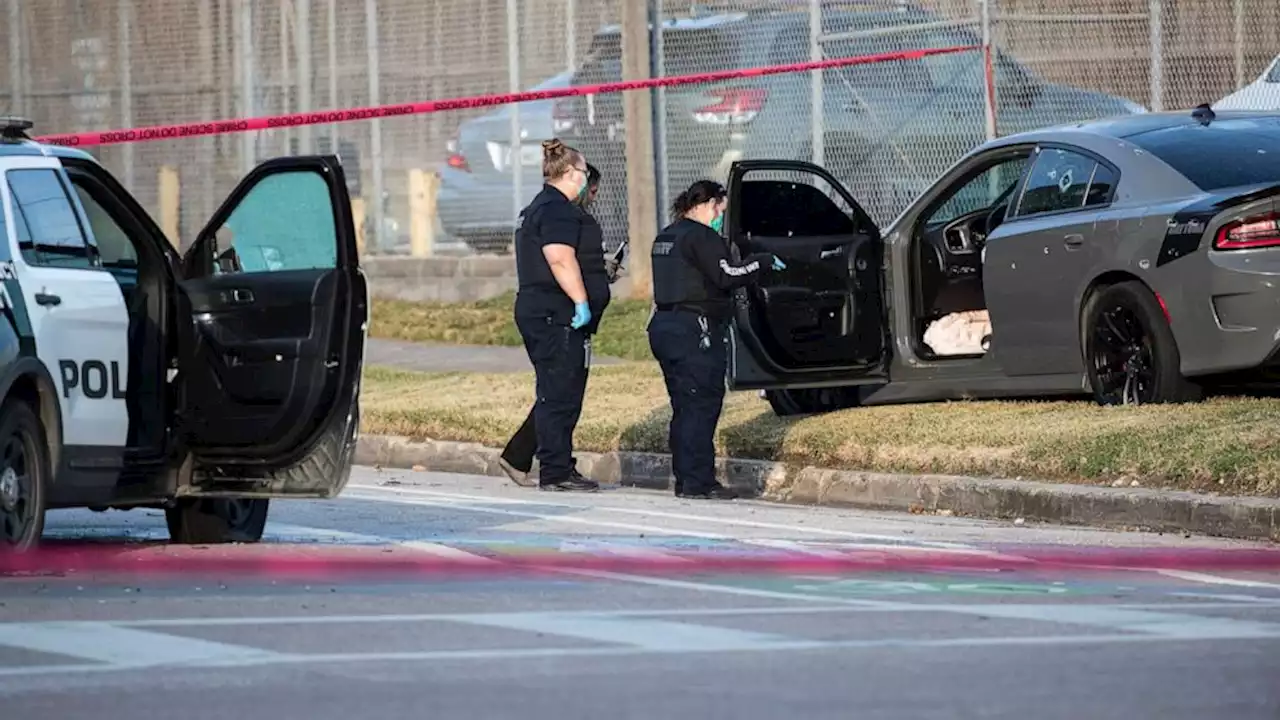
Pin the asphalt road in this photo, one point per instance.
(1044, 644)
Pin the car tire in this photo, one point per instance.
(213, 521)
(1129, 352)
(811, 401)
(25, 470)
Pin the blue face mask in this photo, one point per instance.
(718, 223)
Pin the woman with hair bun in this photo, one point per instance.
(517, 455)
(563, 291)
(693, 277)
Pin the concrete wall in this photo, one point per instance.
(439, 279)
(450, 280)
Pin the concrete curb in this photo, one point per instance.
(1244, 518)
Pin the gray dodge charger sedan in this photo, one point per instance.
(1136, 259)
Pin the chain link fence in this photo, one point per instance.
(883, 129)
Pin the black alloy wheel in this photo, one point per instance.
(24, 467)
(1130, 353)
(1123, 358)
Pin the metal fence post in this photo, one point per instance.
(302, 48)
(1156, 14)
(124, 10)
(571, 34)
(817, 112)
(1239, 43)
(657, 68)
(988, 71)
(16, 100)
(515, 159)
(375, 98)
(245, 64)
(209, 163)
(332, 20)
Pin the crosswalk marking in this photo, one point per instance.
(113, 645)
(662, 635)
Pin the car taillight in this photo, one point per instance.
(458, 162)
(562, 115)
(455, 159)
(1254, 232)
(733, 106)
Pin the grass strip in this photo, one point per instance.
(1229, 446)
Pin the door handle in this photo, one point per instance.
(1074, 240)
(241, 297)
(831, 252)
(48, 299)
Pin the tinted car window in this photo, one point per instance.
(284, 223)
(1102, 188)
(983, 191)
(1058, 181)
(48, 230)
(784, 208)
(114, 246)
(1224, 154)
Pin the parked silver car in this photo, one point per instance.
(476, 183)
(1261, 94)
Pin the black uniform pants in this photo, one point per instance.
(559, 358)
(522, 446)
(694, 375)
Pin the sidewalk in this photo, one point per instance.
(442, 357)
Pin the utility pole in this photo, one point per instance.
(638, 118)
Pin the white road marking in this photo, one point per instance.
(570, 519)
(436, 549)
(649, 529)
(661, 635)
(632, 651)
(728, 589)
(1216, 579)
(1236, 598)
(708, 519)
(1114, 617)
(120, 646)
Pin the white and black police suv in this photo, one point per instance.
(205, 383)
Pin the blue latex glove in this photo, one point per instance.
(778, 264)
(581, 315)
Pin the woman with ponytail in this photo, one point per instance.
(693, 277)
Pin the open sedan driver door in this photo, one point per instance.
(273, 350)
(820, 322)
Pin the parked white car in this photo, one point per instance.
(1261, 94)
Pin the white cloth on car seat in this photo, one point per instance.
(959, 333)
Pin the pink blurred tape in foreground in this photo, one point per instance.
(284, 560)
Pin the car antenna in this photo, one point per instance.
(14, 129)
(1204, 114)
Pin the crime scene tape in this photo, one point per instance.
(287, 561)
(325, 117)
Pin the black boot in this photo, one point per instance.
(575, 482)
(712, 492)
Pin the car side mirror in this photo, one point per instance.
(203, 258)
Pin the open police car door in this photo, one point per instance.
(271, 356)
(820, 322)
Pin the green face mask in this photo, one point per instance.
(718, 223)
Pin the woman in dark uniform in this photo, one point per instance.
(517, 456)
(693, 278)
(563, 291)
